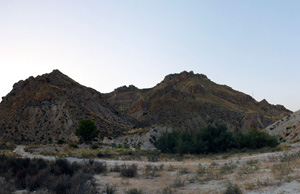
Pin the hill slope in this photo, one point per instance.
(48, 108)
(287, 128)
(192, 101)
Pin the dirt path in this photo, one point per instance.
(20, 150)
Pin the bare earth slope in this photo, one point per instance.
(48, 108)
(192, 101)
(288, 128)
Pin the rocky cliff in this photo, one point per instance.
(48, 108)
(287, 128)
(192, 101)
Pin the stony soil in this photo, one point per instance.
(261, 173)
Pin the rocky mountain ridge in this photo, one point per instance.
(192, 101)
(48, 108)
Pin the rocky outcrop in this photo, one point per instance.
(48, 108)
(144, 138)
(286, 129)
(192, 101)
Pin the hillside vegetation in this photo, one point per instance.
(212, 140)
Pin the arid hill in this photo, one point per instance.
(287, 128)
(48, 108)
(192, 101)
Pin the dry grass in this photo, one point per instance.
(211, 176)
(251, 175)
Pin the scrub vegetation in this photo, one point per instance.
(48, 177)
(212, 140)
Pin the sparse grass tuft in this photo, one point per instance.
(227, 168)
(178, 182)
(167, 190)
(183, 171)
(151, 171)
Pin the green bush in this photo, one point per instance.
(73, 145)
(212, 140)
(255, 139)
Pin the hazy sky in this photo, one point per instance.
(251, 45)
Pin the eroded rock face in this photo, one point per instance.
(49, 107)
(287, 128)
(192, 101)
(144, 139)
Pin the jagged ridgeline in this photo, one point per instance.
(49, 107)
(192, 101)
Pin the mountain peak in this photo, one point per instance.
(47, 108)
(56, 71)
(177, 77)
(188, 100)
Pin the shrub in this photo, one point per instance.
(212, 140)
(167, 190)
(73, 145)
(61, 167)
(232, 189)
(167, 142)
(150, 171)
(134, 191)
(61, 141)
(103, 155)
(34, 182)
(255, 139)
(116, 168)
(128, 171)
(99, 167)
(110, 189)
(56, 177)
(178, 182)
(95, 146)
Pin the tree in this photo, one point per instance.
(87, 130)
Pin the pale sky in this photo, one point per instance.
(250, 45)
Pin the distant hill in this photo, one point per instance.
(287, 128)
(48, 108)
(192, 101)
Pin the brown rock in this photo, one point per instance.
(49, 107)
(192, 101)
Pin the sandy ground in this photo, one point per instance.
(261, 173)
